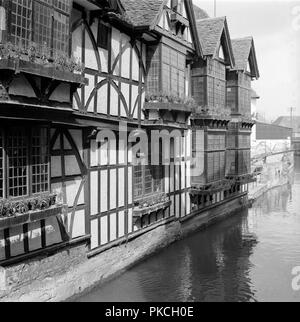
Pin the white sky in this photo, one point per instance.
(275, 26)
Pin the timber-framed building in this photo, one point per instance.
(71, 69)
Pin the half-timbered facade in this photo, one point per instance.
(85, 86)
(61, 92)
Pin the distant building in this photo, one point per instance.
(270, 138)
(294, 123)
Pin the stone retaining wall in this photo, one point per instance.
(69, 273)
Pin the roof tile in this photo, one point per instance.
(210, 31)
(142, 13)
(241, 51)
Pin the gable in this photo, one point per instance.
(245, 56)
(214, 34)
(177, 18)
(158, 15)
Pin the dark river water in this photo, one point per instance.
(249, 257)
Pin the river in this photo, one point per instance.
(249, 257)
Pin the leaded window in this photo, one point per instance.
(148, 179)
(40, 160)
(173, 71)
(24, 171)
(21, 22)
(17, 157)
(166, 70)
(44, 22)
(216, 146)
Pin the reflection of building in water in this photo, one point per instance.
(277, 200)
(212, 265)
(219, 262)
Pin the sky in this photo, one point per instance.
(275, 26)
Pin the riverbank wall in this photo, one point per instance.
(69, 273)
(277, 171)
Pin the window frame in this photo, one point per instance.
(162, 71)
(154, 170)
(4, 132)
(143, 182)
(216, 157)
(54, 9)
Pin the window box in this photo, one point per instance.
(150, 205)
(245, 178)
(159, 106)
(167, 112)
(211, 188)
(30, 217)
(49, 70)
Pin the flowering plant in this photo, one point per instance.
(11, 208)
(40, 54)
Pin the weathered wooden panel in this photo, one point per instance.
(113, 227)
(94, 193)
(90, 56)
(53, 235)
(121, 186)
(121, 222)
(104, 230)
(72, 189)
(34, 236)
(113, 186)
(103, 191)
(102, 99)
(94, 234)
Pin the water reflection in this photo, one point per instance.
(248, 257)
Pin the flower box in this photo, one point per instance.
(48, 70)
(151, 204)
(161, 106)
(30, 217)
(141, 212)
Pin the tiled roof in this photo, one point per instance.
(287, 121)
(210, 31)
(241, 51)
(142, 13)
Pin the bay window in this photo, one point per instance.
(166, 70)
(44, 22)
(148, 179)
(216, 158)
(24, 157)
